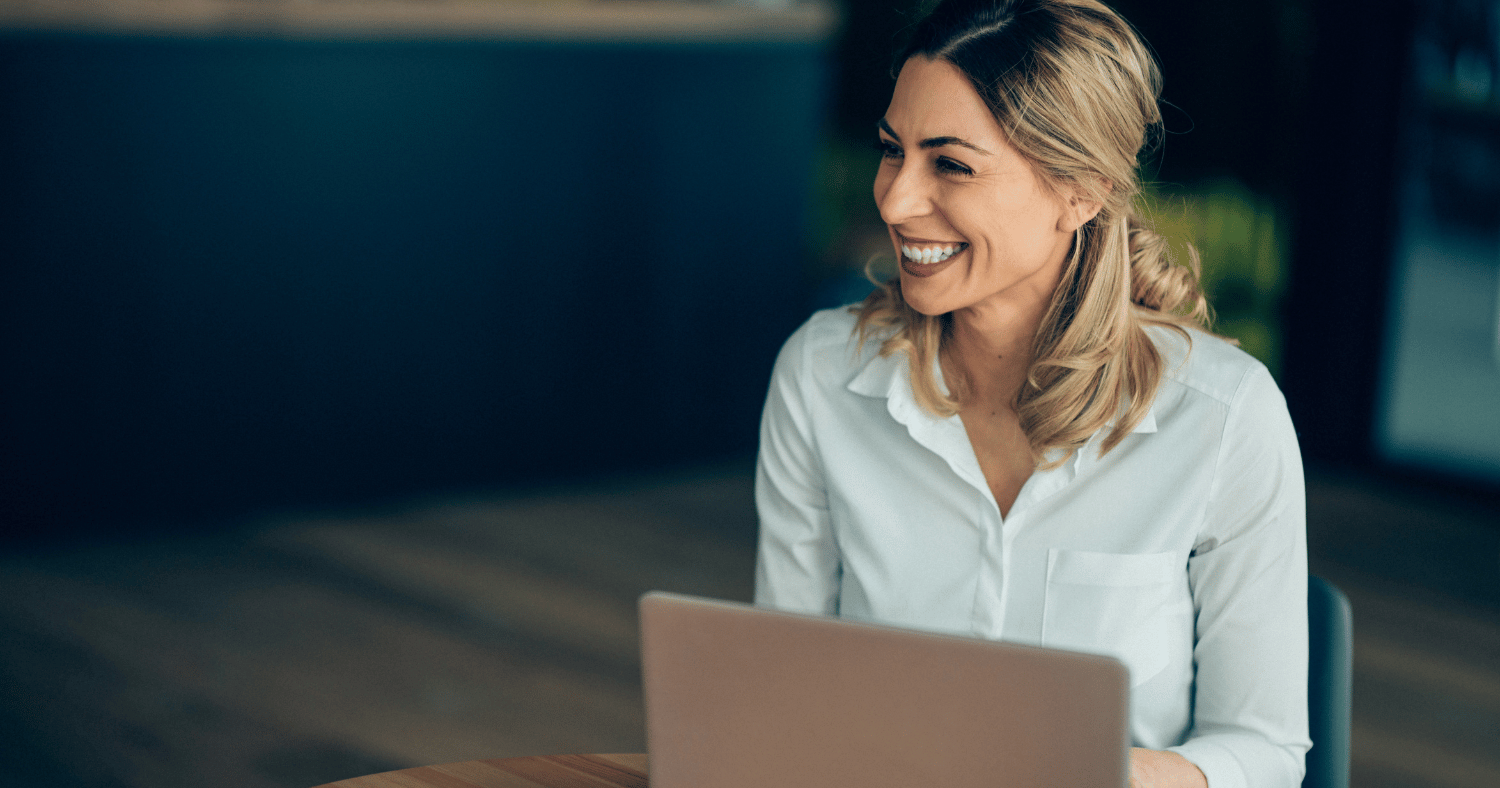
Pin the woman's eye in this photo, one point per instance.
(951, 167)
(888, 150)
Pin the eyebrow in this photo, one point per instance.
(933, 142)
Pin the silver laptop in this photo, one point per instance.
(743, 697)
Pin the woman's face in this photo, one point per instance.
(973, 225)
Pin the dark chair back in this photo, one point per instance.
(1330, 625)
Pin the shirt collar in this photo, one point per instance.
(889, 377)
(883, 376)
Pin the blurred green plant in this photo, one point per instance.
(1241, 238)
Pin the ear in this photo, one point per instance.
(1081, 207)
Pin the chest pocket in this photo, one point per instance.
(1133, 607)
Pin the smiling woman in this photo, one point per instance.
(1026, 435)
(1066, 123)
(967, 199)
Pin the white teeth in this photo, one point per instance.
(931, 254)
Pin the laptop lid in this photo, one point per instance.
(744, 697)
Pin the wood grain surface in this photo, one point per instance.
(542, 771)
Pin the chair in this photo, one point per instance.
(1330, 628)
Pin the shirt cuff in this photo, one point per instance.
(1216, 761)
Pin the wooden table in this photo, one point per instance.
(539, 771)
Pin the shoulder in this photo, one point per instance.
(1209, 368)
(1212, 388)
(826, 348)
(828, 329)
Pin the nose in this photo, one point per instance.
(906, 194)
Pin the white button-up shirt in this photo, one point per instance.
(1182, 551)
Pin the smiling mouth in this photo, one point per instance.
(928, 254)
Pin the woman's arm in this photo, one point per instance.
(1163, 769)
(1248, 575)
(797, 564)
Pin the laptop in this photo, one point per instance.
(745, 697)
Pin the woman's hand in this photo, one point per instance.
(1161, 769)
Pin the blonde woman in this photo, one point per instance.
(1026, 435)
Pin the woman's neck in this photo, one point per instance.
(991, 349)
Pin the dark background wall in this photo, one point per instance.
(247, 272)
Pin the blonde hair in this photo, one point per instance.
(1076, 90)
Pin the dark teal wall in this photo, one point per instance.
(244, 273)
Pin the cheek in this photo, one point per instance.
(1005, 232)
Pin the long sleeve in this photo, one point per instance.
(797, 564)
(1248, 574)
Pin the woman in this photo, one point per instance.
(1024, 436)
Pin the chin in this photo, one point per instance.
(926, 306)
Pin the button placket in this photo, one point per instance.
(989, 592)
